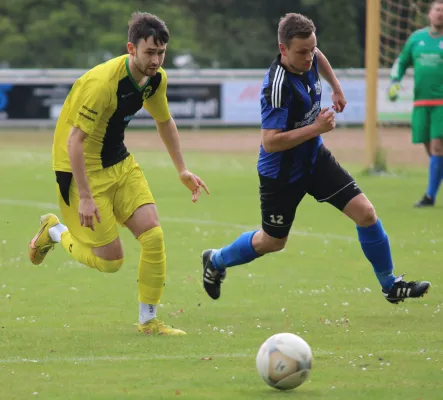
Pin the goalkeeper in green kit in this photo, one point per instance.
(424, 52)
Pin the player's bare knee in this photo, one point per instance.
(143, 220)
(367, 215)
(278, 244)
(270, 245)
(114, 253)
(110, 252)
(437, 147)
(361, 211)
(427, 148)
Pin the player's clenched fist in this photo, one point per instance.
(325, 121)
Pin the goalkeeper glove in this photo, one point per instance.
(393, 90)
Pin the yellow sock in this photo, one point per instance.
(152, 267)
(85, 255)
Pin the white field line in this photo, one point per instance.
(86, 359)
(51, 206)
(92, 359)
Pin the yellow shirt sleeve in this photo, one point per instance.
(157, 105)
(89, 99)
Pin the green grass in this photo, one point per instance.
(67, 332)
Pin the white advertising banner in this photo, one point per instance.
(401, 109)
(241, 101)
(355, 92)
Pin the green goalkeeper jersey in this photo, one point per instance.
(425, 54)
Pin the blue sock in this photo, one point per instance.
(238, 252)
(375, 245)
(435, 175)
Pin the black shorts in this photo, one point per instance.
(328, 182)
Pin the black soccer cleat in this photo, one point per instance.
(426, 201)
(212, 278)
(403, 290)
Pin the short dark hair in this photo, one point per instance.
(434, 3)
(144, 25)
(294, 25)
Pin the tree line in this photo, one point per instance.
(216, 33)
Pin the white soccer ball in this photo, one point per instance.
(284, 361)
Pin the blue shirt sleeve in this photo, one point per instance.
(274, 101)
(273, 118)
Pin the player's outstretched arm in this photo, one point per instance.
(169, 134)
(401, 64)
(326, 71)
(403, 61)
(87, 208)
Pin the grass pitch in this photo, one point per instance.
(67, 332)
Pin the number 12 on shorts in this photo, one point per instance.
(277, 219)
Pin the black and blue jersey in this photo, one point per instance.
(289, 101)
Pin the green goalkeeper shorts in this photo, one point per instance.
(427, 123)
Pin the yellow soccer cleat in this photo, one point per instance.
(157, 327)
(42, 242)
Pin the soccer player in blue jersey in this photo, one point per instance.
(293, 161)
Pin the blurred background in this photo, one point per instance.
(217, 57)
(205, 33)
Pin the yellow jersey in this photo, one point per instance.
(101, 103)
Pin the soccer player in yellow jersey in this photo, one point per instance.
(99, 183)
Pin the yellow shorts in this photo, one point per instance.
(117, 191)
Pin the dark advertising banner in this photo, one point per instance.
(44, 102)
(32, 101)
(192, 101)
